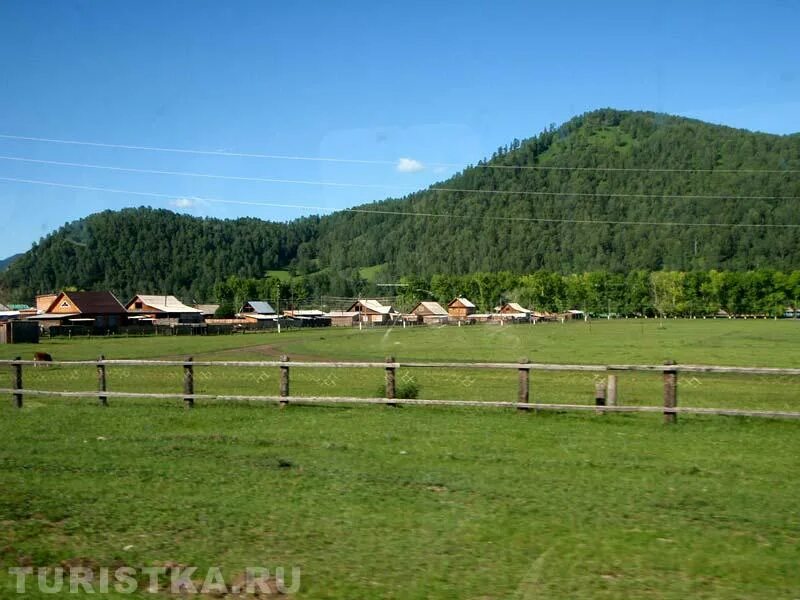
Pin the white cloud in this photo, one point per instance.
(184, 203)
(409, 165)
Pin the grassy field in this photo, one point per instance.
(374, 502)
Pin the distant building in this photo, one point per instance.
(372, 311)
(258, 307)
(514, 311)
(7, 313)
(162, 309)
(460, 308)
(208, 310)
(343, 318)
(430, 312)
(98, 310)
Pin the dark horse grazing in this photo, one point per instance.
(42, 357)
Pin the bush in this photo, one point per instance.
(406, 390)
(226, 310)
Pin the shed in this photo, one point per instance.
(341, 318)
(19, 332)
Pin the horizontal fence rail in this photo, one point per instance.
(605, 391)
(415, 365)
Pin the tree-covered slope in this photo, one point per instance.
(602, 172)
(146, 250)
(480, 232)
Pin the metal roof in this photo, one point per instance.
(207, 309)
(92, 303)
(260, 307)
(517, 307)
(464, 302)
(376, 306)
(258, 316)
(434, 308)
(166, 304)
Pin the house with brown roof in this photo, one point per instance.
(460, 308)
(96, 310)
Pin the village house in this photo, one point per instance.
(515, 312)
(372, 311)
(96, 310)
(430, 312)
(162, 310)
(460, 308)
(257, 307)
(259, 312)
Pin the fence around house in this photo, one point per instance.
(605, 393)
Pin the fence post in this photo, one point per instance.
(101, 381)
(524, 384)
(390, 381)
(670, 393)
(284, 380)
(600, 394)
(611, 390)
(16, 383)
(188, 383)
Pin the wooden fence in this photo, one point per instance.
(605, 395)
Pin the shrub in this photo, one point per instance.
(405, 390)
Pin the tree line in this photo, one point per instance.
(638, 293)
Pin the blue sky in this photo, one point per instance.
(433, 82)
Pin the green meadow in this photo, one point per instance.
(416, 502)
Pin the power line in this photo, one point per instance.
(383, 162)
(194, 151)
(192, 173)
(443, 189)
(400, 213)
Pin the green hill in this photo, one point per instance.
(564, 201)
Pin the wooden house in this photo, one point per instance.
(430, 312)
(162, 310)
(515, 312)
(96, 310)
(372, 311)
(460, 308)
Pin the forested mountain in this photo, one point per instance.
(567, 200)
(476, 238)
